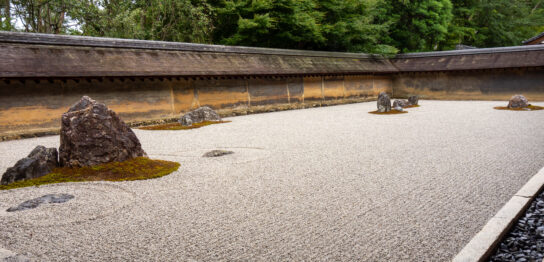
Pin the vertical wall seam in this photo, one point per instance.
(303, 89)
(248, 96)
(172, 100)
(322, 88)
(344, 87)
(288, 93)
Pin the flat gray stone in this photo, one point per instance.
(217, 153)
(46, 199)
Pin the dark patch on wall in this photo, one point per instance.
(333, 87)
(218, 93)
(475, 85)
(296, 89)
(265, 91)
(358, 86)
(184, 95)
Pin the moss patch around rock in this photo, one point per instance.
(138, 168)
(529, 108)
(178, 126)
(392, 112)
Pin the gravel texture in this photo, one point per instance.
(525, 242)
(321, 184)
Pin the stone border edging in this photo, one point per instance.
(483, 244)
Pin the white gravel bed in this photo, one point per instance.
(321, 184)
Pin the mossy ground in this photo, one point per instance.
(138, 168)
(178, 126)
(392, 112)
(530, 107)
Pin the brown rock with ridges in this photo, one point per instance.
(92, 134)
(199, 115)
(384, 102)
(401, 103)
(413, 100)
(518, 101)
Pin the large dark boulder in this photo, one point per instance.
(413, 100)
(518, 101)
(400, 103)
(199, 115)
(92, 134)
(41, 161)
(384, 102)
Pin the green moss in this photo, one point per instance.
(529, 108)
(138, 168)
(178, 126)
(392, 112)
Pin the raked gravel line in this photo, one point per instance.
(332, 183)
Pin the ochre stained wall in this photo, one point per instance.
(472, 85)
(33, 106)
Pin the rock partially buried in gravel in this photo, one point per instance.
(217, 153)
(518, 101)
(41, 161)
(413, 100)
(384, 102)
(199, 115)
(400, 103)
(92, 134)
(46, 199)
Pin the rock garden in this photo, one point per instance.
(95, 144)
(385, 108)
(202, 116)
(519, 103)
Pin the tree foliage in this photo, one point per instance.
(374, 26)
(275, 23)
(168, 20)
(418, 25)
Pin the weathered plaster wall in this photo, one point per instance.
(498, 84)
(32, 106)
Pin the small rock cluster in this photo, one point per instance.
(525, 242)
(199, 115)
(90, 134)
(384, 103)
(518, 101)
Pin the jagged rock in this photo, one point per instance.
(46, 199)
(413, 100)
(92, 134)
(398, 108)
(400, 103)
(39, 162)
(518, 101)
(199, 115)
(384, 102)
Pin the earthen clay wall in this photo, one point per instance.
(34, 106)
